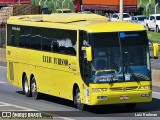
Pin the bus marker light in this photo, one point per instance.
(102, 98)
(99, 89)
(145, 95)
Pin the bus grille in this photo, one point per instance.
(124, 88)
(11, 71)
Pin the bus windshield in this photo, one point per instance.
(119, 57)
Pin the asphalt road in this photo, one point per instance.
(155, 63)
(12, 99)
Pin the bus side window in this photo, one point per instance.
(13, 35)
(13, 40)
(46, 44)
(55, 46)
(59, 40)
(70, 50)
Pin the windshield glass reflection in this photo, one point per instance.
(118, 58)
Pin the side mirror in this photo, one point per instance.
(155, 50)
(89, 53)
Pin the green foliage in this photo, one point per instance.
(151, 34)
(55, 4)
(151, 8)
(154, 36)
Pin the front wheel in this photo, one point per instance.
(34, 91)
(77, 100)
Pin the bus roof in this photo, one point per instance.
(75, 21)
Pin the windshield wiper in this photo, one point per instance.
(132, 73)
(136, 75)
(100, 72)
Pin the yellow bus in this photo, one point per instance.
(79, 57)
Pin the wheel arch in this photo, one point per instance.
(31, 76)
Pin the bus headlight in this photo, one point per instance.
(102, 98)
(145, 87)
(99, 89)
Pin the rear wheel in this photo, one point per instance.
(77, 100)
(130, 105)
(26, 89)
(34, 91)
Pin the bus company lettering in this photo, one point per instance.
(60, 61)
(57, 61)
(47, 59)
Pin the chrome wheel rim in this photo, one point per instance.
(34, 89)
(78, 98)
(26, 86)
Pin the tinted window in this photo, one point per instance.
(115, 16)
(152, 17)
(158, 17)
(59, 40)
(30, 37)
(46, 39)
(111, 39)
(142, 18)
(13, 33)
(126, 16)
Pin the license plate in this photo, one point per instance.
(124, 97)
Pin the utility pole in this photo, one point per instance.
(140, 3)
(63, 4)
(156, 8)
(121, 10)
(148, 6)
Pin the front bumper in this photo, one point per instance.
(120, 97)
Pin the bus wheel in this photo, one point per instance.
(26, 89)
(130, 105)
(34, 91)
(77, 100)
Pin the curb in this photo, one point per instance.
(156, 78)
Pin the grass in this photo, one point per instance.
(151, 34)
(154, 36)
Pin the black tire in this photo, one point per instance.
(26, 89)
(147, 27)
(77, 100)
(34, 93)
(130, 105)
(157, 29)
